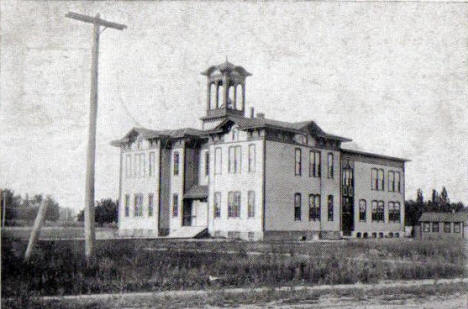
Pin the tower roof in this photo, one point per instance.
(226, 67)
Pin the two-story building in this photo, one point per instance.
(254, 178)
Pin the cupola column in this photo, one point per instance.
(208, 105)
(226, 91)
(235, 95)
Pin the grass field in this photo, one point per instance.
(59, 268)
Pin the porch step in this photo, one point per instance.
(189, 232)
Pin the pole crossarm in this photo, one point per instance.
(95, 20)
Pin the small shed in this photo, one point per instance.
(442, 225)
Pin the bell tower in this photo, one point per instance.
(225, 93)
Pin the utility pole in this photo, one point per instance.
(4, 194)
(36, 229)
(90, 234)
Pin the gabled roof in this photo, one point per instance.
(443, 217)
(295, 127)
(197, 192)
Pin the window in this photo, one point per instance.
(235, 132)
(234, 204)
(217, 204)
(297, 206)
(426, 227)
(252, 158)
(138, 205)
(435, 227)
(381, 186)
(456, 227)
(447, 227)
(394, 212)
(381, 211)
(397, 182)
(175, 205)
(127, 205)
(139, 165)
(298, 162)
(330, 208)
(391, 181)
(150, 204)
(234, 164)
(251, 204)
(151, 159)
(128, 166)
(207, 163)
(218, 161)
(374, 181)
(176, 163)
(314, 164)
(314, 207)
(347, 177)
(375, 215)
(330, 165)
(362, 210)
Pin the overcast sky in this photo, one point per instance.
(391, 76)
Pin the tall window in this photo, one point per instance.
(362, 210)
(374, 180)
(394, 212)
(252, 158)
(218, 161)
(347, 177)
(251, 204)
(217, 204)
(314, 164)
(138, 205)
(234, 204)
(381, 211)
(150, 204)
(375, 216)
(207, 163)
(127, 205)
(234, 164)
(298, 162)
(456, 227)
(381, 180)
(391, 181)
(314, 207)
(297, 206)
(128, 165)
(175, 205)
(330, 208)
(397, 182)
(151, 163)
(330, 169)
(446, 227)
(176, 163)
(435, 227)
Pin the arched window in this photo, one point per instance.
(231, 98)
(375, 216)
(297, 207)
(381, 180)
(240, 97)
(374, 180)
(330, 208)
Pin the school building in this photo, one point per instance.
(250, 177)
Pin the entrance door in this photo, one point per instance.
(347, 216)
(187, 213)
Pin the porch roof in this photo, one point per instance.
(196, 192)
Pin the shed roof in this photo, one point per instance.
(443, 217)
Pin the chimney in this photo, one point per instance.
(261, 115)
(252, 112)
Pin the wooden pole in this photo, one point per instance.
(90, 234)
(4, 207)
(36, 229)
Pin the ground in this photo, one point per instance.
(160, 274)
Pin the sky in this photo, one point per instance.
(391, 76)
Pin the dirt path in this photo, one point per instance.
(188, 293)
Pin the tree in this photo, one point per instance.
(106, 211)
(444, 200)
(53, 209)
